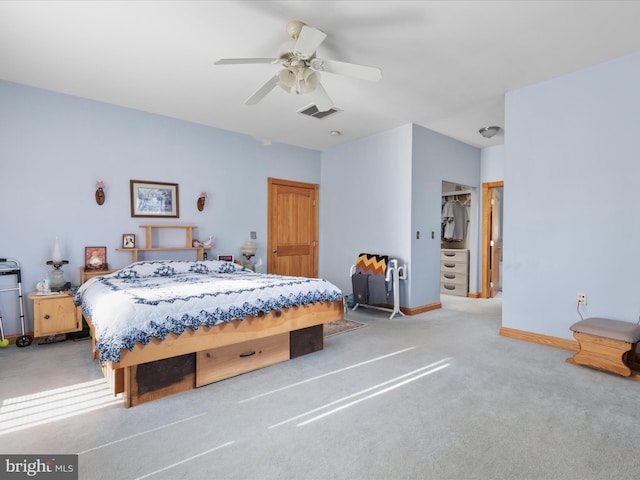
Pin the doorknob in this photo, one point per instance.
(275, 250)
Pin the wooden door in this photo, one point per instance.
(292, 243)
(491, 238)
(495, 242)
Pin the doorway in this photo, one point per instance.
(292, 222)
(492, 202)
(458, 251)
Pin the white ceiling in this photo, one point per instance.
(446, 65)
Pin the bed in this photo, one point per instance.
(161, 327)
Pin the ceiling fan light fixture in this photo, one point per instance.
(287, 80)
(300, 66)
(300, 81)
(488, 132)
(309, 81)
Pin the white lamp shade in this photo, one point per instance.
(56, 253)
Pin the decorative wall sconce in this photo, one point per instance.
(201, 199)
(99, 192)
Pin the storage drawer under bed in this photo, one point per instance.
(224, 362)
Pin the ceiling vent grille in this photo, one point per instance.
(312, 111)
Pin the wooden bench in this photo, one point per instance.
(608, 345)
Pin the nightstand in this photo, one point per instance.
(55, 313)
(87, 274)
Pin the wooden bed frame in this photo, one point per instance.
(209, 354)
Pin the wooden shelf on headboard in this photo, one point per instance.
(149, 242)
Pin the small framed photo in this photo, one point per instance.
(154, 199)
(95, 258)
(128, 240)
(225, 258)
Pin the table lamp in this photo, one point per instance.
(58, 282)
(248, 249)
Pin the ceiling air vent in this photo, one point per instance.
(312, 111)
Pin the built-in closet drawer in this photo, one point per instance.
(451, 255)
(454, 278)
(453, 289)
(454, 271)
(454, 267)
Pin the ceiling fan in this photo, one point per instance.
(301, 66)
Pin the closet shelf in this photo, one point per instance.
(459, 192)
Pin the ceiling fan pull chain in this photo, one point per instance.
(298, 81)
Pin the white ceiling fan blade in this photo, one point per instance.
(309, 40)
(321, 99)
(363, 72)
(262, 91)
(239, 61)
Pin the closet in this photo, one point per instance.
(455, 239)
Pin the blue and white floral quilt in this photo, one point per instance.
(155, 298)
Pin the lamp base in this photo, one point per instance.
(248, 263)
(58, 282)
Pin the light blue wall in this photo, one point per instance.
(436, 158)
(492, 162)
(571, 216)
(53, 149)
(365, 203)
(379, 191)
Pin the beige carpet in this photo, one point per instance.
(341, 326)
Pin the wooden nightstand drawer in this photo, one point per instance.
(54, 314)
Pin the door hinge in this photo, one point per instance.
(493, 201)
(490, 284)
(491, 244)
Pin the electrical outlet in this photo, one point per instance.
(582, 298)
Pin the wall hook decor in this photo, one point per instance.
(201, 200)
(99, 192)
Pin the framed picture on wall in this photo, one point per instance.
(128, 240)
(154, 199)
(95, 258)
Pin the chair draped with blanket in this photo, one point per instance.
(374, 279)
(369, 280)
